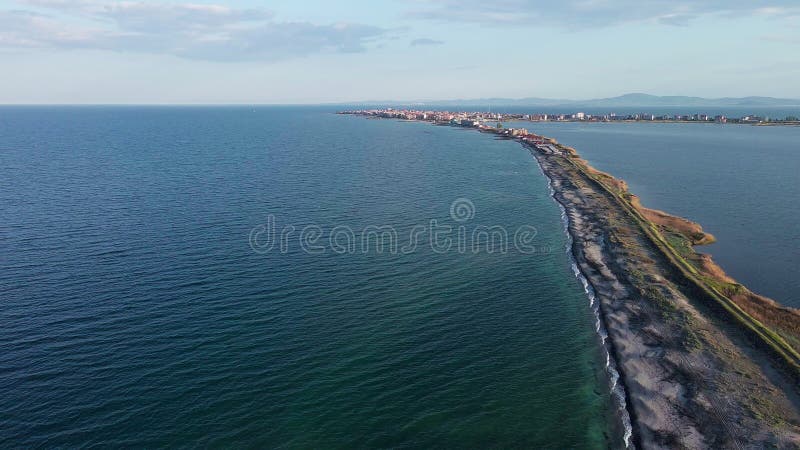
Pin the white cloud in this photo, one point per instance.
(425, 41)
(592, 13)
(198, 31)
(783, 39)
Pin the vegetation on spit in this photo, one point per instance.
(769, 324)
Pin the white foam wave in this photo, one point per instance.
(616, 388)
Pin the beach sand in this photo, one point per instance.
(692, 378)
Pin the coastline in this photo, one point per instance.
(753, 124)
(616, 386)
(663, 382)
(704, 362)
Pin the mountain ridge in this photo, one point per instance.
(625, 100)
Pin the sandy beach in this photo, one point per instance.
(693, 379)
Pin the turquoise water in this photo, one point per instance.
(135, 312)
(739, 182)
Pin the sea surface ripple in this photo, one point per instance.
(136, 314)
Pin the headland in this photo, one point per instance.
(456, 118)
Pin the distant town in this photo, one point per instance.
(475, 119)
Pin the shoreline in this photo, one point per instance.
(640, 378)
(447, 117)
(654, 416)
(611, 368)
(703, 361)
(696, 122)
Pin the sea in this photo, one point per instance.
(289, 277)
(270, 277)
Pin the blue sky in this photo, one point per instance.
(310, 51)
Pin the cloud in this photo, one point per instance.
(150, 16)
(425, 41)
(196, 31)
(677, 20)
(783, 39)
(593, 13)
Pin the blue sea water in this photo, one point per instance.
(136, 313)
(739, 182)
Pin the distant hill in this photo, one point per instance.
(627, 100)
(675, 100)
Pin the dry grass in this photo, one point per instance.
(682, 234)
(783, 320)
(693, 231)
(615, 183)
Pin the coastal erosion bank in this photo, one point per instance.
(704, 361)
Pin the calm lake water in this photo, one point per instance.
(135, 312)
(741, 183)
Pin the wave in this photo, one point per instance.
(617, 389)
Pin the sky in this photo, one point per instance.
(316, 51)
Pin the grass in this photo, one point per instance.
(680, 244)
(698, 285)
(782, 321)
